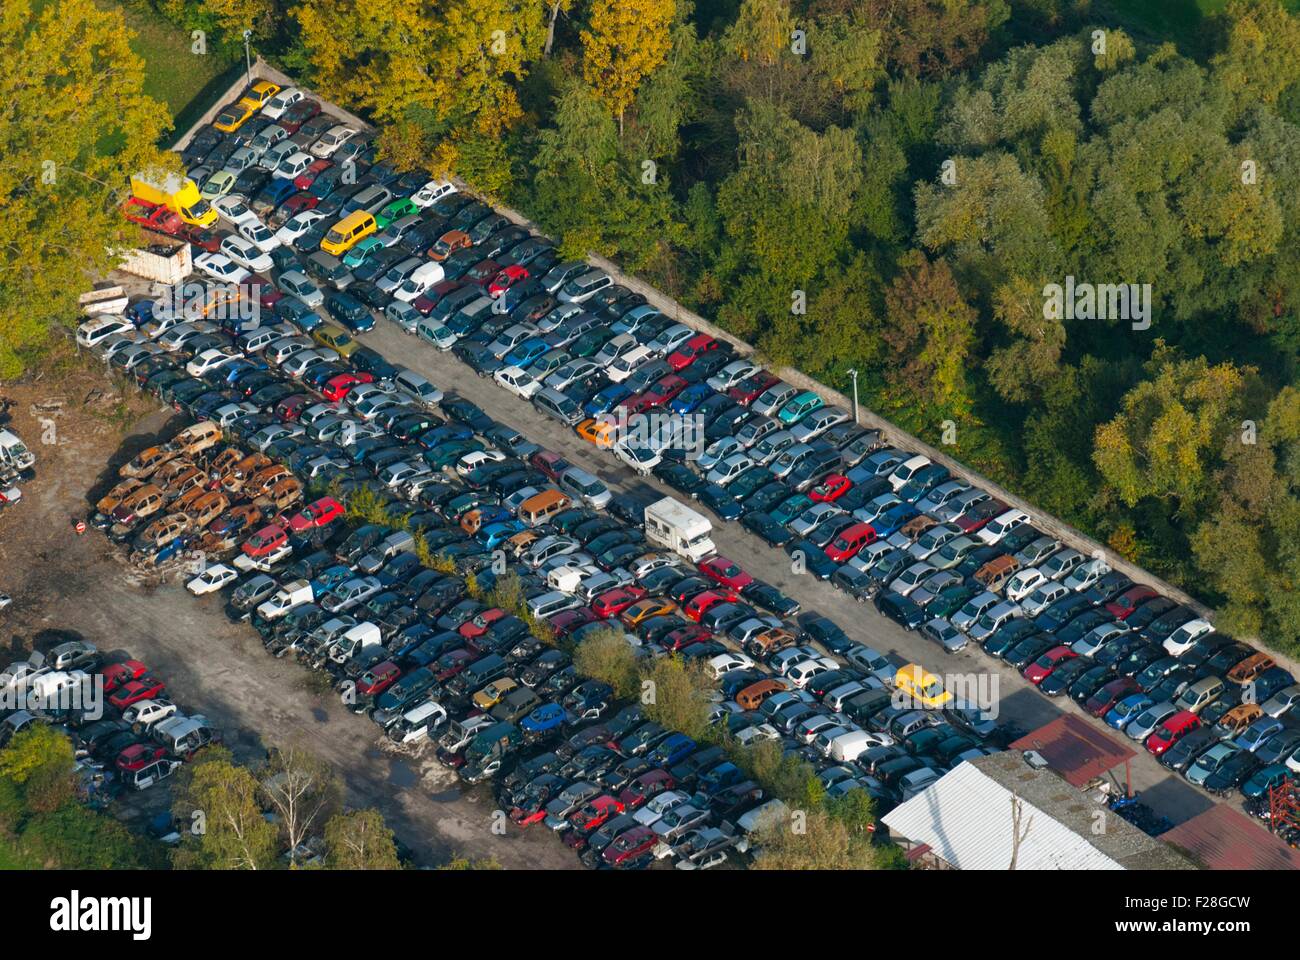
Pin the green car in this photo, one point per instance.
(784, 512)
(950, 601)
(395, 211)
(446, 454)
(798, 408)
(357, 255)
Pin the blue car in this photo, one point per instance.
(674, 749)
(606, 399)
(329, 578)
(543, 720)
(717, 499)
(526, 352)
(893, 518)
(690, 398)
(492, 534)
(1118, 716)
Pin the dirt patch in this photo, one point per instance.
(66, 586)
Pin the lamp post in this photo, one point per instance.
(248, 58)
(853, 372)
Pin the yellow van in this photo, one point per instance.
(348, 231)
(924, 688)
(540, 507)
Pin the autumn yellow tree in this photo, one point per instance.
(625, 41)
(460, 60)
(76, 126)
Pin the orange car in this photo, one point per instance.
(449, 243)
(643, 610)
(752, 697)
(598, 431)
(1250, 668)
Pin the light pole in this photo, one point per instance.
(853, 372)
(248, 58)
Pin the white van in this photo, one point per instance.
(285, 599)
(425, 276)
(418, 387)
(358, 638)
(418, 723)
(847, 747)
(623, 367)
(568, 577)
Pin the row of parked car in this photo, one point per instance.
(876, 521)
(126, 731)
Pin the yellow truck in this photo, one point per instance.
(177, 193)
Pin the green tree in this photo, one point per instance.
(359, 840)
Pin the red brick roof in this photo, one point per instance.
(1224, 838)
(1075, 749)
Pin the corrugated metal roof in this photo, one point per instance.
(1223, 838)
(966, 818)
(1075, 749)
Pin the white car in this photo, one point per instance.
(724, 663)
(658, 805)
(1085, 575)
(639, 456)
(432, 192)
(234, 210)
(804, 670)
(1182, 639)
(732, 374)
(477, 458)
(298, 224)
(94, 332)
(718, 451)
(212, 579)
(220, 267)
(730, 468)
(517, 381)
(246, 253)
(281, 102)
(260, 235)
(1024, 583)
(1042, 597)
(148, 712)
(332, 139)
(208, 360)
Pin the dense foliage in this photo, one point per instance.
(892, 186)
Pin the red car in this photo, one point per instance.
(133, 691)
(850, 541)
(477, 626)
(649, 784)
(1042, 668)
(201, 237)
(978, 516)
(378, 679)
(655, 395)
(138, 756)
(265, 541)
(630, 847)
(1171, 731)
(297, 204)
(506, 279)
(613, 602)
(337, 387)
(566, 621)
(752, 387)
(726, 572)
(832, 487)
(116, 674)
(308, 176)
(319, 514)
(1123, 606)
(1109, 695)
(297, 114)
(683, 637)
(551, 464)
(152, 216)
(690, 351)
(482, 272)
(699, 604)
(290, 408)
(589, 817)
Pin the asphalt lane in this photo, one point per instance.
(1017, 701)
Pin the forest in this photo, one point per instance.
(891, 186)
